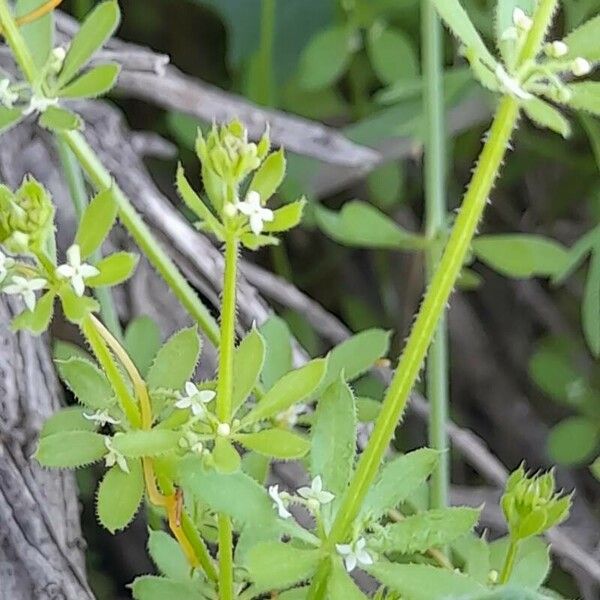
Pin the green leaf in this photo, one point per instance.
(120, 495)
(474, 552)
(168, 555)
(408, 580)
(38, 35)
(100, 24)
(293, 565)
(88, 384)
(315, 72)
(341, 585)
(504, 20)
(254, 242)
(135, 444)
(9, 117)
(294, 387)
(361, 225)
(114, 269)
(142, 342)
(96, 222)
(356, 355)
(60, 119)
(176, 361)
(278, 359)
(457, 20)
(195, 203)
(544, 115)
(397, 480)
(248, 362)
(367, 409)
(37, 320)
(226, 457)
(277, 443)
(386, 185)
(429, 529)
(590, 306)
(256, 465)
(392, 54)
(585, 41)
(269, 176)
(520, 255)
(67, 419)
(532, 563)
(151, 587)
(595, 468)
(334, 437)
(286, 217)
(70, 449)
(573, 441)
(95, 82)
(585, 96)
(77, 308)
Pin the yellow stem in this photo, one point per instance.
(36, 14)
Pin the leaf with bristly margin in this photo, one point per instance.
(532, 563)
(9, 117)
(573, 441)
(544, 115)
(59, 119)
(235, 494)
(316, 73)
(277, 443)
(590, 306)
(135, 444)
(341, 585)
(114, 269)
(361, 225)
(95, 82)
(38, 35)
(77, 308)
(96, 222)
(293, 565)
(142, 342)
(458, 21)
(254, 242)
(88, 384)
(367, 409)
(152, 587)
(474, 554)
(37, 320)
(176, 361)
(408, 580)
(248, 362)
(286, 217)
(509, 592)
(225, 456)
(99, 25)
(168, 556)
(300, 593)
(68, 419)
(521, 255)
(269, 176)
(334, 437)
(120, 495)
(293, 387)
(585, 96)
(196, 205)
(256, 465)
(70, 449)
(585, 41)
(429, 529)
(278, 360)
(398, 478)
(392, 54)
(356, 355)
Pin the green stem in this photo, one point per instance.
(266, 87)
(435, 216)
(225, 558)
(509, 561)
(198, 545)
(76, 185)
(17, 43)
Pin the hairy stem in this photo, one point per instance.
(435, 216)
(509, 561)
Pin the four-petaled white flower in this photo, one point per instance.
(580, 66)
(101, 417)
(26, 288)
(511, 86)
(316, 493)
(7, 97)
(354, 554)
(278, 504)
(6, 262)
(39, 104)
(257, 214)
(113, 457)
(195, 399)
(75, 270)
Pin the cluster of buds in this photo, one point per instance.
(313, 497)
(531, 504)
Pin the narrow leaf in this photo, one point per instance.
(70, 449)
(590, 307)
(96, 222)
(135, 444)
(277, 443)
(87, 382)
(67, 419)
(37, 320)
(544, 115)
(585, 40)
(114, 269)
(95, 82)
(248, 362)
(286, 217)
(269, 176)
(168, 555)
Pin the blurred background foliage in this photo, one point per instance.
(526, 330)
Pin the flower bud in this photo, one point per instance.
(580, 66)
(223, 429)
(521, 20)
(556, 49)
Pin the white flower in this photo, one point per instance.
(290, 416)
(354, 554)
(101, 417)
(195, 399)
(278, 504)
(6, 262)
(580, 66)
(7, 97)
(521, 19)
(316, 492)
(511, 86)
(39, 104)
(113, 457)
(75, 270)
(26, 288)
(223, 429)
(252, 208)
(556, 49)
